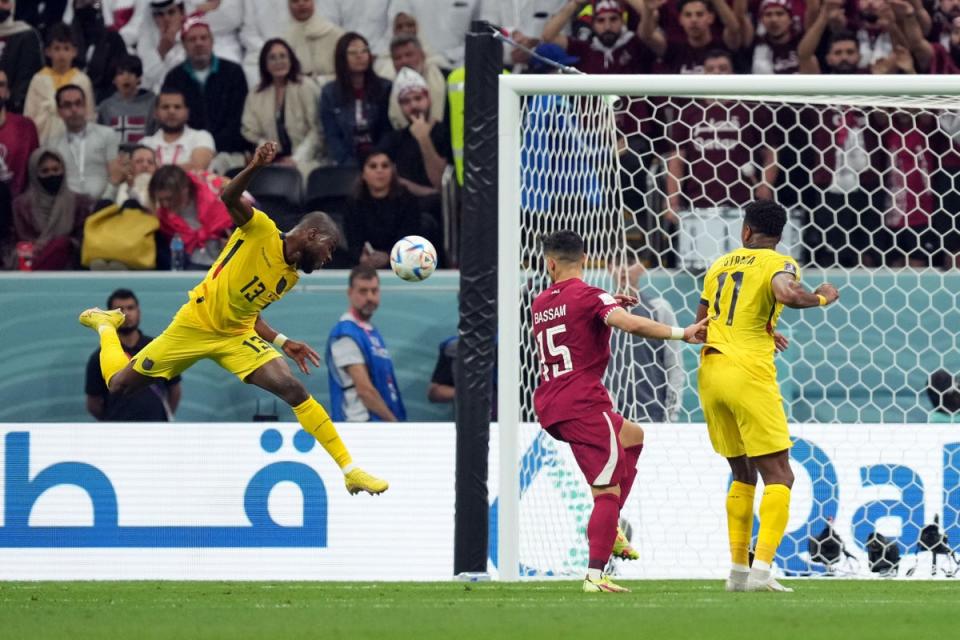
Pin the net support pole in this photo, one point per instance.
(478, 300)
(508, 407)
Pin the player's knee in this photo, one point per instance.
(292, 391)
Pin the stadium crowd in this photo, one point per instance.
(121, 119)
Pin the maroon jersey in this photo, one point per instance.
(682, 57)
(573, 341)
(628, 55)
(843, 148)
(718, 141)
(778, 58)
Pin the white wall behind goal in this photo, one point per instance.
(259, 501)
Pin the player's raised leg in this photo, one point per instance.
(777, 477)
(115, 366)
(275, 376)
(740, 520)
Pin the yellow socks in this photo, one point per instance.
(774, 513)
(314, 419)
(740, 521)
(112, 356)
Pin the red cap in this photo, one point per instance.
(607, 6)
(191, 22)
(786, 5)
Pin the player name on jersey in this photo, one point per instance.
(549, 314)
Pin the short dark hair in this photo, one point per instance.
(842, 36)
(362, 272)
(563, 245)
(170, 177)
(719, 53)
(682, 3)
(170, 90)
(141, 147)
(129, 64)
(121, 294)
(404, 39)
(322, 222)
(59, 32)
(69, 87)
(766, 217)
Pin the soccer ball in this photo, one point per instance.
(413, 258)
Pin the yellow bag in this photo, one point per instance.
(122, 235)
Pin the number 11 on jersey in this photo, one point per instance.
(559, 355)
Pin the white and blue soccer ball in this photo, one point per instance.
(413, 258)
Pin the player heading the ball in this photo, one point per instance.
(221, 319)
(572, 322)
(744, 293)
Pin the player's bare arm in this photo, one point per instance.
(791, 293)
(232, 195)
(647, 328)
(299, 352)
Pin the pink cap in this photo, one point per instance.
(191, 22)
(607, 6)
(786, 5)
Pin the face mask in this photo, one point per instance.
(51, 184)
(4, 15)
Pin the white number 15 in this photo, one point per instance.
(555, 351)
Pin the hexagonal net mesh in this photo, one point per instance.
(656, 186)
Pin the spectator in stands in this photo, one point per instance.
(143, 164)
(363, 386)
(944, 394)
(648, 376)
(41, 14)
(225, 19)
(188, 207)
(421, 150)
(910, 201)
(40, 105)
(877, 31)
(405, 26)
(129, 111)
(159, 44)
(939, 57)
(156, 403)
(353, 107)
(214, 90)
(612, 47)
(20, 54)
(262, 20)
(943, 21)
(406, 51)
(175, 142)
(380, 211)
(524, 21)
(116, 14)
(697, 18)
(444, 25)
(100, 48)
(49, 214)
(314, 39)
(284, 108)
(843, 48)
(18, 139)
(89, 149)
(368, 17)
(443, 386)
(721, 161)
(776, 50)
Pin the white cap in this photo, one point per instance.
(408, 80)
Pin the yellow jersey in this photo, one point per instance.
(249, 274)
(742, 309)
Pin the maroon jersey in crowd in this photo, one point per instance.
(843, 146)
(18, 139)
(718, 140)
(573, 340)
(771, 57)
(682, 57)
(628, 55)
(911, 200)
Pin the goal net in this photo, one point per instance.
(655, 181)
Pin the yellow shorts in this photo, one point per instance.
(181, 345)
(744, 415)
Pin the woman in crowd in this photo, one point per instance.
(353, 106)
(283, 108)
(21, 54)
(379, 213)
(49, 215)
(188, 207)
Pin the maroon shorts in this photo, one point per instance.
(595, 442)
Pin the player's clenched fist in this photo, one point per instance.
(265, 154)
(828, 291)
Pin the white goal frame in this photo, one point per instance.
(512, 88)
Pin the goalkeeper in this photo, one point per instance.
(221, 319)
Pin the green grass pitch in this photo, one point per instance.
(656, 610)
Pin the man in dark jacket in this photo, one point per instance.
(215, 89)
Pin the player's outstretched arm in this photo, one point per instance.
(232, 194)
(647, 328)
(299, 352)
(792, 294)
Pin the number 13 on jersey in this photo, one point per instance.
(555, 360)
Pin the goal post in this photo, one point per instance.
(586, 190)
